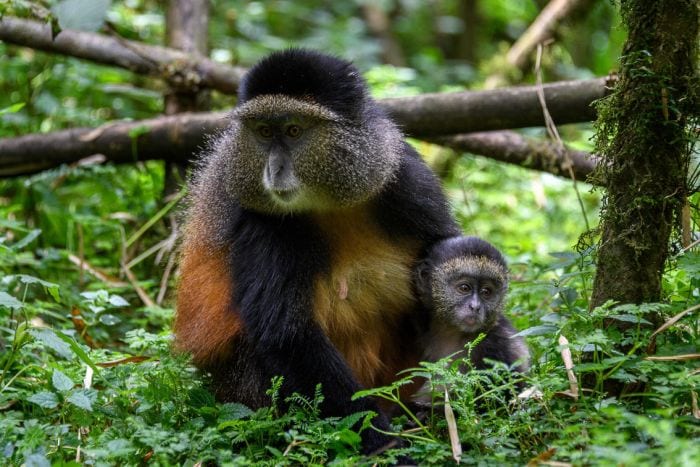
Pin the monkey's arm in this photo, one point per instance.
(498, 345)
(414, 204)
(205, 324)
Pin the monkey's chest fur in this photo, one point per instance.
(365, 304)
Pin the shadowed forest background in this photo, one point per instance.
(89, 222)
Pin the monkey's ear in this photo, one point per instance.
(421, 277)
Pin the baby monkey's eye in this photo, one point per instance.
(463, 288)
(293, 131)
(486, 292)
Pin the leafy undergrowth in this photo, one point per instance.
(87, 376)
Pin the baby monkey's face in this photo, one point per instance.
(468, 302)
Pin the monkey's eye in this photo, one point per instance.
(293, 131)
(486, 292)
(264, 131)
(463, 288)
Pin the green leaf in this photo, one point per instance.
(50, 287)
(348, 437)
(51, 340)
(37, 460)
(200, 397)
(568, 295)
(234, 411)
(8, 301)
(117, 301)
(564, 260)
(61, 382)
(120, 446)
(630, 319)
(109, 320)
(552, 318)
(62, 344)
(690, 262)
(274, 451)
(78, 350)
(29, 238)
(97, 296)
(82, 15)
(349, 421)
(45, 399)
(79, 399)
(537, 331)
(13, 108)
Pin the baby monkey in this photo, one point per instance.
(462, 282)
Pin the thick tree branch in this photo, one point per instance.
(517, 107)
(174, 138)
(177, 138)
(178, 68)
(511, 147)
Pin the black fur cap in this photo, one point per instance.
(464, 246)
(329, 81)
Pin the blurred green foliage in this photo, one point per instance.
(67, 236)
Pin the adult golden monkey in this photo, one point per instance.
(306, 218)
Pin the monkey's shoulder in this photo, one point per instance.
(413, 202)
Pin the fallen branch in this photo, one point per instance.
(84, 266)
(143, 295)
(437, 114)
(180, 69)
(511, 147)
(173, 138)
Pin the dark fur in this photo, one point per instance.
(329, 81)
(275, 258)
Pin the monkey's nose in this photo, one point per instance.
(274, 169)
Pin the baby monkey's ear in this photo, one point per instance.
(421, 280)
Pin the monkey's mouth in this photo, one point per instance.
(285, 196)
(470, 324)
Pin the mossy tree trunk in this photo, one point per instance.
(644, 139)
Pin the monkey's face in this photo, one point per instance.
(287, 155)
(468, 293)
